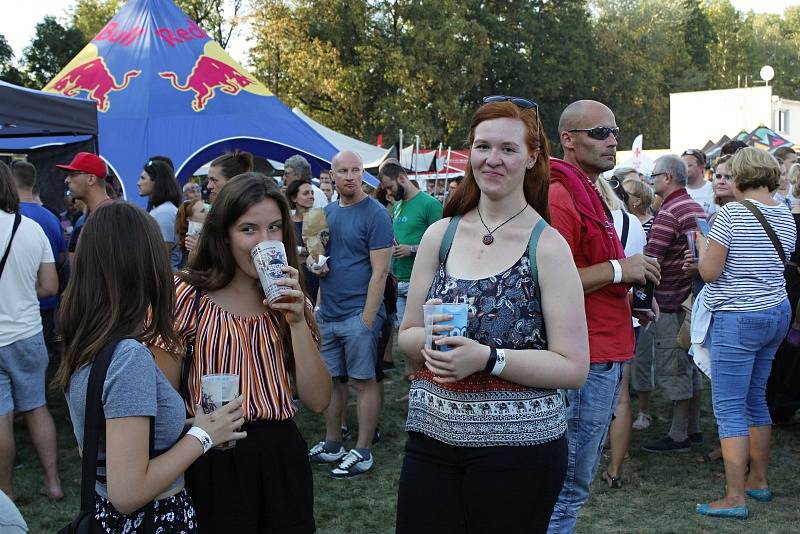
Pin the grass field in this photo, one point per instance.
(658, 496)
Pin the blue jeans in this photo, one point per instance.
(402, 296)
(743, 345)
(588, 416)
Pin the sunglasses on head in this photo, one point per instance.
(523, 103)
(599, 132)
(697, 154)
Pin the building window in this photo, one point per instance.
(782, 120)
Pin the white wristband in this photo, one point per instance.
(617, 271)
(202, 436)
(500, 363)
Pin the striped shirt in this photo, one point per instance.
(667, 243)
(752, 278)
(247, 346)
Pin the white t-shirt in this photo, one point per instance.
(320, 200)
(637, 238)
(752, 278)
(704, 196)
(19, 307)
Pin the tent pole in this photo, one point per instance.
(416, 158)
(400, 152)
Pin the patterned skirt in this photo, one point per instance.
(173, 515)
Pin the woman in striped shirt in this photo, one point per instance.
(264, 483)
(746, 294)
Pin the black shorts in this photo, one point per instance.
(262, 485)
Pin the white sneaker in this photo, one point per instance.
(352, 464)
(318, 454)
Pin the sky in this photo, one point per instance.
(18, 28)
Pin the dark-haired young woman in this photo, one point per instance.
(301, 199)
(486, 450)
(157, 182)
(128, 279)
(264, 483)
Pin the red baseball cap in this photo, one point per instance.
(87, 162)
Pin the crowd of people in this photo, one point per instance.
(587, 286)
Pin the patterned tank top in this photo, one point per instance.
(482, 410)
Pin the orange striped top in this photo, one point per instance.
(248, 346)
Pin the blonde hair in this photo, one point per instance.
(794, 179)
(643, 192)
(608, 195)
(753, 168)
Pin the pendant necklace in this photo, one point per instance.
(488, 239)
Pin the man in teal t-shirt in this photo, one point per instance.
(413, 212)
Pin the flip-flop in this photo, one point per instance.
(613, 482)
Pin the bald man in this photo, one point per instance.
(588, 133)
(351, 313)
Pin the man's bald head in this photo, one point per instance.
(348, 155)
(577, 113)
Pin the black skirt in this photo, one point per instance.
(262, 485)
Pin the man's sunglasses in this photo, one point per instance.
(600, 132)
(523, 103)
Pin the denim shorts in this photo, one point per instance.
(743, 345)
(402, 296)
(349, 347)
(22, 368)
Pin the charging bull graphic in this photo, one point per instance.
(89, 73)
(214, 69)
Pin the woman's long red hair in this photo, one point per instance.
(537, 178)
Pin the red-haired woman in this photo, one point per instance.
(486, 449)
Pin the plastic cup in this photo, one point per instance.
(215, 392)
(269, 257)
(691, 237)
(459, 321)
(194, 228)
(643, 296)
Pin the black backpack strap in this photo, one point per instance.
(17, 221)
(94, 427)
(447, 239)
(188, 357)
(626, 226)
(538, 228)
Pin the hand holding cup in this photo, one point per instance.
(222, 424)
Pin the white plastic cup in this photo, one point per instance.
(216, 391)
(194, 228)
(269, 258)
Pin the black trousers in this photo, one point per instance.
(263, 485)
(478, 490)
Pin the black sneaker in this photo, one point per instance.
(667, 444)
(696, 438)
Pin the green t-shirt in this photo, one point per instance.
(410, 219)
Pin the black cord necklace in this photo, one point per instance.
(488, 239)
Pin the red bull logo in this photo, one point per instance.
(91, 77)
(215, 69)
(207, 75)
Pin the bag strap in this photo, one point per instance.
(626, 226)
(94, 427)
(188, 357)
(447, 239)
(17, 221)
(767, 228)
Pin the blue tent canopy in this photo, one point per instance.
(163, 87)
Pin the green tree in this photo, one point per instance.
(698, 35)
(89, 16)
(8, 70)
(731, 55)
(52, 47)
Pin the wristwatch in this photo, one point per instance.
(414, 249)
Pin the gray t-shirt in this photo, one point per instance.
(134, 387)
(165, 215)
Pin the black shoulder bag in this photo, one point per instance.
(767, 228)
(93, 428)
(17, 221)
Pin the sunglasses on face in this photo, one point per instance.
(599, 132)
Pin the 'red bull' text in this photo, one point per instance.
(182, 35)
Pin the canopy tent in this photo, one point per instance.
(762, 137)
(371, 155)
(164, 87)
(49, 129)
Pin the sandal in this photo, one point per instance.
(613, 482)
(643, 420)
(710, 457)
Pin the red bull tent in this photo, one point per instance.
(162, 86)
